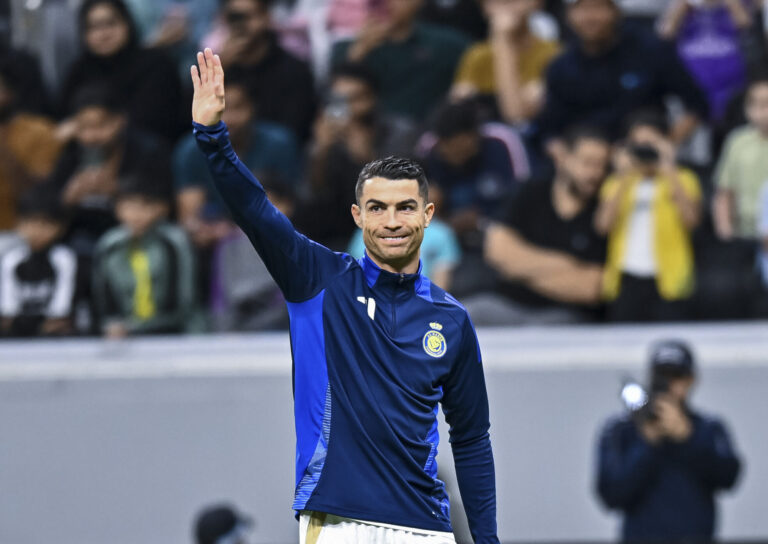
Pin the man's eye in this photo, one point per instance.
(375, 208)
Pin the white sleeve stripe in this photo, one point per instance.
(10, 299)
(65, 264)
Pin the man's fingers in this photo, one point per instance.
(203, 71)
(209, 63)
(195, 77)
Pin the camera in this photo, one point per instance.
(638, 400)
(644, 153)
(337, 108)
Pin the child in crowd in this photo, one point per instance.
(743, 169)
(37, 278)
(648, 212)
(143, 277)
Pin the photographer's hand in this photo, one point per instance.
(650, 431)
(673, 421)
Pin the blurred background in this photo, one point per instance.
(600, 170)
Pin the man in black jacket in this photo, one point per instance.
(663, 465)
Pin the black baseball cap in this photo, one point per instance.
(672, 356)
(221, 523)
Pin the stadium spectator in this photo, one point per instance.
(510, 65)
(143, 269)
(708, 37)
(544, 247)
(37, 278)
(22, 71)
(349, 132)
(281, 85)
(743, 168)
(440, 251)
(648, 212)
(244, 297)
(413, 62)
(103, 151)
(476, 165)
(28, 146)
(265, 146)
(662, 466)
(764, 234)
(144, 81)
(610, 72)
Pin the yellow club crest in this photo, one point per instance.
(434, 343)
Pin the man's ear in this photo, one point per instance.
(357, 216)
(429, 211)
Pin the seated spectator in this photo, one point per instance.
(708, 42)
(244, 297)
(544, 248)
(648, 212)
(662, 464)
(103, 151)
(610, 72)
(509, 66)
(21, 70)
(280, 83)
(37, 278)
(475, 165)
(261, 145)
(222, 524)
(763, 231)
(440, 251)
(143, 269)
(413, 62)
(144, 81)
(742, 169)
(28, 147)
(349, 133)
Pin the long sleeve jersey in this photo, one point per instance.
(374, 353)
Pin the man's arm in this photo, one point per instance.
(710, 453)
(552, 273)
(624, 470)
(465, 405)
(299, 266)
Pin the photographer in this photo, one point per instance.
(662, 464)
(648, 210)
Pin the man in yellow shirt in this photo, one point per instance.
(510, 64)
(648, 212)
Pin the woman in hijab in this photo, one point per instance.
(144, 81)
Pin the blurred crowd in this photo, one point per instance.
(591, 160)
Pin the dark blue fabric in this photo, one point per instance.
(666, 492)
(393, 346)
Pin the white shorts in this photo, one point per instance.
(321, 528)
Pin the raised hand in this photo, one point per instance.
(208, 83)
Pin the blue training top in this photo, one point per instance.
(373, 354)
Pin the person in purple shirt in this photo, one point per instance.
(708, 37)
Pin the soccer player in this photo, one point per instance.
(375, 347)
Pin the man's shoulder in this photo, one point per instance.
(742, 136)
(617, 423)
(442, 34)
(450, 304)
(112, 239)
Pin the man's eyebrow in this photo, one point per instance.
(411, 201)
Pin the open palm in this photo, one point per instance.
(208, 83)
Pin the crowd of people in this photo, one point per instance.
(591, 160)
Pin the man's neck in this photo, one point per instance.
(565, 201)
(599, 47)
(402, 32)
(407, 265)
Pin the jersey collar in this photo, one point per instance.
(373, 273)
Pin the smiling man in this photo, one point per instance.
(376, 347)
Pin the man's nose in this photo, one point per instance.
(392, 222)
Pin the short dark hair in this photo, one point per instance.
(574, 135)
(454, 118)
(356, 71)
(96, 95)
(265, 4)
(143, 184)
(41, 202)
(393, 168)
(647, 118)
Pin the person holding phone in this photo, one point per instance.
(648, 210)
